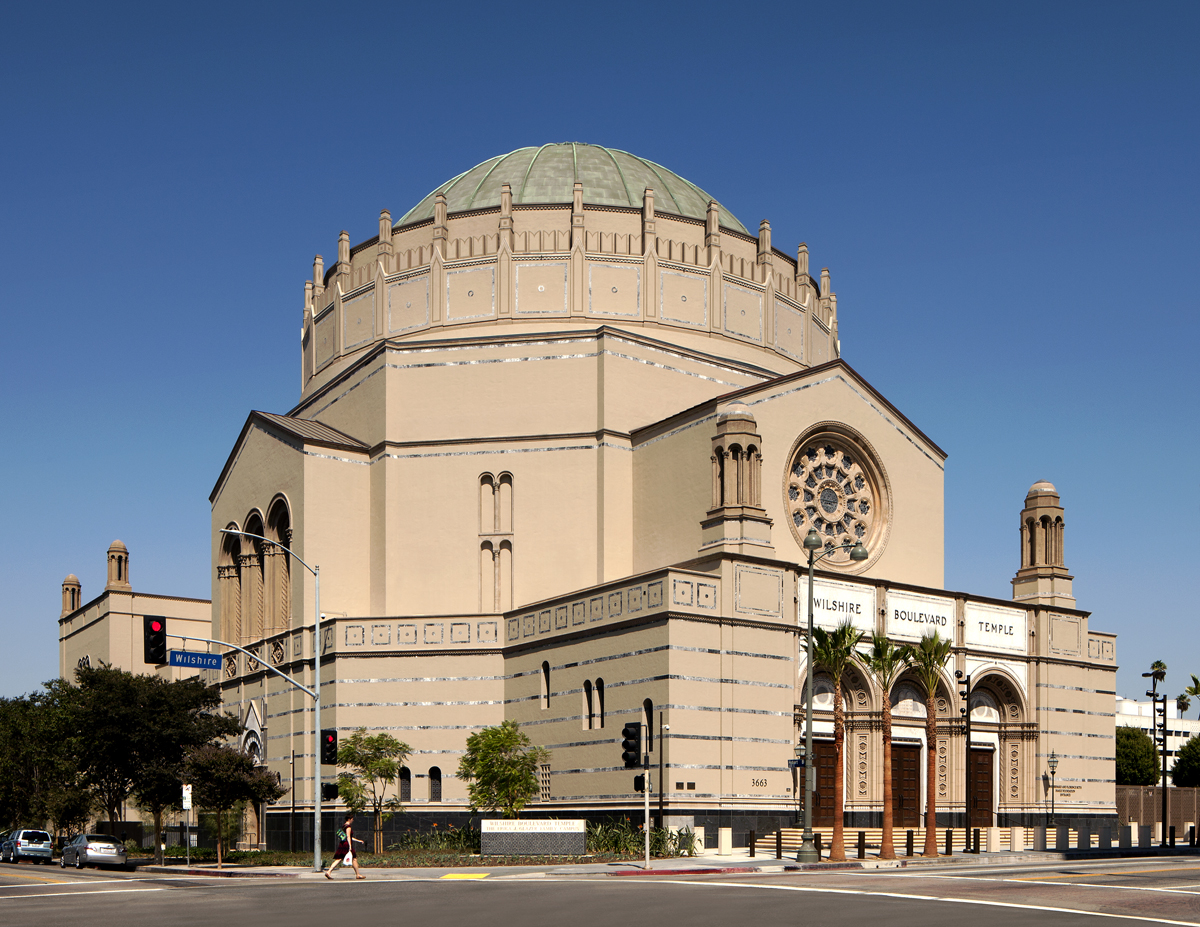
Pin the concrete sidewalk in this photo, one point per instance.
(710, 863)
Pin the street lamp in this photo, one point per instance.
(318, 863)
(1052, 762)
(1158, 672)
(964, 682)
(812, 543)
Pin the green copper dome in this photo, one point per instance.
(548, 175)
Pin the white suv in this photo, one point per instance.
(26, 844)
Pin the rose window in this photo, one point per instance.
(831, 487)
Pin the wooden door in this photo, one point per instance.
(906, 785)
(981, 768)
(825, 757)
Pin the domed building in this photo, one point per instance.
(561, 433)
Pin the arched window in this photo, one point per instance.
(586, 711)
(648, 720)
(229, 584)
(435, 783)
(600, 703)
(253, 591)
(279, 569)
(405, 784)
(487, 577)
(504, 576)
(545, 684)
(487, 504)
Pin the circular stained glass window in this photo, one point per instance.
(834, 485)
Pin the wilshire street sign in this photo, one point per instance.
(195, 660)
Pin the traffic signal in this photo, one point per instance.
(329, 791)
(639, 783)
(631, 745)
(154, 639)
(329, 747)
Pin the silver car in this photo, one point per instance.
(26, 843)
(93, 850)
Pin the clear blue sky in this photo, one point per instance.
(1006, 195)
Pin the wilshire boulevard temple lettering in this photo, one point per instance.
(562, 428)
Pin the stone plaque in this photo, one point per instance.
(994, 627)
(835, 603)
(911, 616)
(533, 838)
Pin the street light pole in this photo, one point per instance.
(1158, 672)
(808, 852)
(965, 692)
(318, 863)
(1052, 762)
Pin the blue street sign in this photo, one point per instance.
(796, 764)
(195, 660)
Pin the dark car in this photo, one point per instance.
(93, 850)
(26, 843)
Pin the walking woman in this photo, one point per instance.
(345, 852)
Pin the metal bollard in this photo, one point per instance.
(976, 850)
(1171, 835)
(817, 835)
(862, 844)
(779, 844)
(1192, 836)
(949, 841)
(752, 841)
(908, 844)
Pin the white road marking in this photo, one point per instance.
(103, 891)
(912, 897)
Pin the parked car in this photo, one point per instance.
(93, 850)
(26, 843)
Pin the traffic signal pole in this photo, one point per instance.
(646, 791)
(314, 692)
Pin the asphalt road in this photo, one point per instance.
(1096, 894)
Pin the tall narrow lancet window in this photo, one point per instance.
(496, 542)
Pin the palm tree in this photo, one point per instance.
(929, 659)
(886, 662)
(1183, 703)
(1193, 690)
(834, 651)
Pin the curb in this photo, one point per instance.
(662, 872)
(220, 873)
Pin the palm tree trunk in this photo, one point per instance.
(886, 850)
(931, 777)
(837, 846)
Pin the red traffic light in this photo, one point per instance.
(155, 625)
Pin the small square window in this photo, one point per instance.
(691, 786)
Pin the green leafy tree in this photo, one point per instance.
(375, 761)
(834, 650)
(1186, 771)
(109, 713)
(886, 662)
(1137, 757)
(222, 779)
(182, 715)
(500, 769)
(928, 661)
(37, 759)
